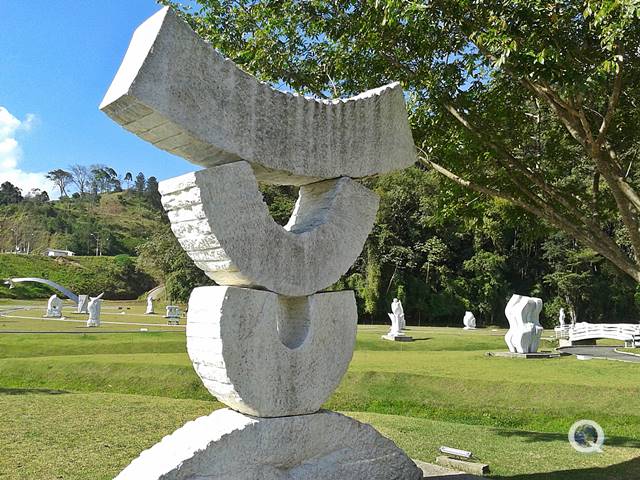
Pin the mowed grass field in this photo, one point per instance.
(82, 404)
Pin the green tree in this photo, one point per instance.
(9, 194)
(61, 179)
(529, 101)
(140, 183)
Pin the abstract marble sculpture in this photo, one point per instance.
(264, 342)
(94, 307)
(525, 330)
(396, 333)
(469, 321)
(150, 310)
(398, 311)
(54, 307)
(561, 317)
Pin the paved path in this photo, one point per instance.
(608, 353)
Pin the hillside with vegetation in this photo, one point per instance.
(117, 277)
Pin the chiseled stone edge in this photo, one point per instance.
(176, 91)
(222, 222)
(227, 445)
(266, 355)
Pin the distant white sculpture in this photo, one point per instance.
(54, 307)
(469, 321)
(150, 310)
(173, 314)
(397, 323)
(561, 317)
(525, 330)
(83, 304)
(94, 311)
(398, 312)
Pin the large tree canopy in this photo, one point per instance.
(530, 101)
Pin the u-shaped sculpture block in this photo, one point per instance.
(222, 222)
(267, 355)
(176, 91)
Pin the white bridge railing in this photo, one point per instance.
(627, 332)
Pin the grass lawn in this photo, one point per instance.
(83, 405)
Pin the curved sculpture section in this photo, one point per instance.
(222, 222)
(229, 446)
(176, 91)
(66, 292)
(525, 330)
(267, 355)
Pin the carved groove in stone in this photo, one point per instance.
(236, 342)
(222, 222)
(176, 91)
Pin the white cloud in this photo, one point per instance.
(11, 154)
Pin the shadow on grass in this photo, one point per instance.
(535, 437)
(629, 470)
(31, 391)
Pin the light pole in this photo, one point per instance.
(31, 235)
(97, 237)
(15, 240)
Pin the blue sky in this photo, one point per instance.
(57, 60)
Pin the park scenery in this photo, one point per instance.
(338, 240)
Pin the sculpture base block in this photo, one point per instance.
(398, 338)
(228, 445)
(469, 328)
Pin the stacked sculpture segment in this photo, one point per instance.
(177, 92)
(264, 342)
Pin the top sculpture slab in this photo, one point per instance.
(176, 91)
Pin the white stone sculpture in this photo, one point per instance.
(173, 314)
(222, 222)
(525, 330)
(150, 309)
(228, 445)
(469, 321)
(288, 139)
(94, 308)
(264, 342)
(83, 304)
(240, 341)
(397, 324)
(398, 312)
(54, 307)
(561, 317)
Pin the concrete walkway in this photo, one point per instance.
(607, 353)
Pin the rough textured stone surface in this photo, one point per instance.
(268, 355)
(222, 222)
(227, 445)
(525, 330)
(176, 91)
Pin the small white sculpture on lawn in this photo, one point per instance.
(94, 308)
(525, 330)
(83, 304)
(397, 324)
(54, 307)
(469, 321)
(561, 317)
(150, 310)
(398, 312)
